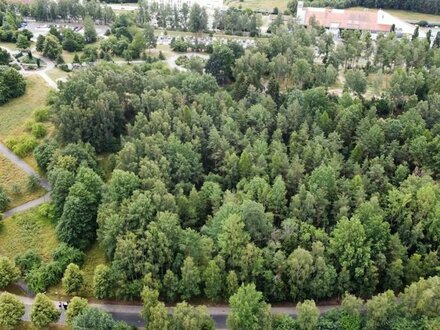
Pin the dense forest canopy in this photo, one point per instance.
(266, 178)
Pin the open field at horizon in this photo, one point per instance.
(258, 4)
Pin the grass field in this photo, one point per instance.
(29, 230)
(258, 4)
(16, 112)
(56, 74)
(12, 46)
(29, 326)
(409, 16)
(95, 256)
(11, 177)
(26, 231)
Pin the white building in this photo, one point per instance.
(372, 20)
(209, 4)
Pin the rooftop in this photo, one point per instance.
(345, 19)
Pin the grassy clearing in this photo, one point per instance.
(56, 74)
(409, 16)
(259, 4)
(29, 326)
(94, 257)
(16, 112)
(26, 231)
(29, 230)
(14, 180)
(12, 45)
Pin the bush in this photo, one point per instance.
(22, 146)
(39, 130)
(64, 67)
(39, 279)
(28, 261)
(33, 183)
(4, 199)
(41, 115)
(9, 273)
(43, 154)
(65, 255)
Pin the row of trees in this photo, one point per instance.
(68, 10)
(194, 18)
(44, 313)
(421, 6)
(414, 308)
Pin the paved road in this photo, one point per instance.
(131, 313)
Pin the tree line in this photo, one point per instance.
(422, 6)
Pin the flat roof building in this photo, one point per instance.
(347, 19)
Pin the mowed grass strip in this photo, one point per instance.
(25, 231)
(15, 182)
(258, 4)
(16, 112)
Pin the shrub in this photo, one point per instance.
(9, 273)
(39, 130)
(28, 261)
(11, 311)
(43, 154)
(65, 255)
(33, 182)
(4, 199)
(22, 146)
(41, 115)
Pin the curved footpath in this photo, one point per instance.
(132, 313)
(30, 171)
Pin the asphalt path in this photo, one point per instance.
(30, 171)
(132, 313)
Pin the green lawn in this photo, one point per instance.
(12, 46)
(258, 4)
(56, 74)
(14, 180)
(27, 230)
(410, 16)
(16, 112)
(94, 257)
(29, 326)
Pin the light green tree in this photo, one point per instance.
(212, 277)
(190, 281)
(308, 315)
(43, 312)
(73, 279)
(9, 273)
(158, 317)
(249, 310)
(11, 311)
(76, 306)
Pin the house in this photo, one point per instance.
(374, 21)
